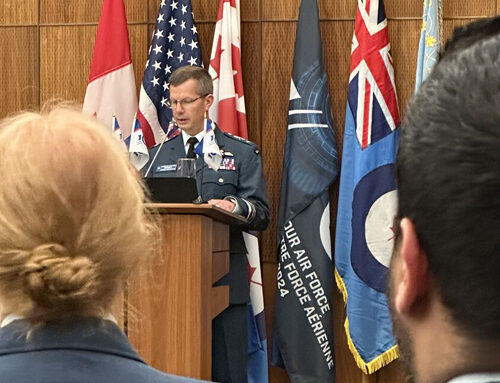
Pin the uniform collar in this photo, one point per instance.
(219, 135)
(9, 319)
(186, 136)
(477, 378)
(12, 317)
(89, 334)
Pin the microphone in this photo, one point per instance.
(157, 152)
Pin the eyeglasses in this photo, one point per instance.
(187, 101)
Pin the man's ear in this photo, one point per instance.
(209, 100)
(412, 281)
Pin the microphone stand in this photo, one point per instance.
(156, 155)
(199, 200)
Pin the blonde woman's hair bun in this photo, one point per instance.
(54, 278)
(67, 243)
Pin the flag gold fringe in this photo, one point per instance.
(375, 364)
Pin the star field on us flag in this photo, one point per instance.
(174, 44)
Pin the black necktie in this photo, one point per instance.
(192, 141)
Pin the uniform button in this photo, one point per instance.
(221, 180)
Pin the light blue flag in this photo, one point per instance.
(430, 39)
(367, 192)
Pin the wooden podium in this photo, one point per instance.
(171, 301)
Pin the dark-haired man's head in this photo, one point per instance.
(444, 287)
(467, 34)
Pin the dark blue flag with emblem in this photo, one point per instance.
(367, 195)
(303, 325)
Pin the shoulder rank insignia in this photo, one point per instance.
(238, 138)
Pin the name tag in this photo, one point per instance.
(166, 168)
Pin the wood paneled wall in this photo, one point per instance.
(46, 47)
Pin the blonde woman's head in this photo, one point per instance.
(72, 220)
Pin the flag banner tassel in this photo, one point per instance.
(381, 360)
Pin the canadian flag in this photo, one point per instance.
(228, 109)
(111, 89)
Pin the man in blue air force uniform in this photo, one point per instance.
(237, 186)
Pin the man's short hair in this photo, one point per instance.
(467, 34)
(448, 174)
(182, 74)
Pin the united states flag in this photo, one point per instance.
(174, 44)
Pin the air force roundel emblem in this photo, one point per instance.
(373, 209)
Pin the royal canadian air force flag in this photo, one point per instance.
(139, 154)
(303, 325)
(208, 148)
(368, 196)
(111, 89)
(117, 133)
